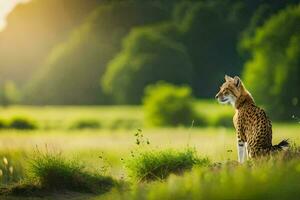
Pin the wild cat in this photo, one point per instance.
(253, 128)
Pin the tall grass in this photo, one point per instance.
(12, 167)
(273, 178)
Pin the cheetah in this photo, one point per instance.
(253, 128)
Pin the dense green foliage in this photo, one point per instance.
(108, 52)
(147, 57)
(207, 53)
(177, 51)
(169, 105)
(35, 28)
(272, 74)
(72, 70)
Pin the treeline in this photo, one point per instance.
(107, 52)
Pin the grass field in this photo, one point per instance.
(106, 148)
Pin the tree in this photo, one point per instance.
(33, 29)
(210, 33)
(71, 72)
(146, 58)
(273, 72)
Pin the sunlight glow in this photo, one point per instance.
(6, 6)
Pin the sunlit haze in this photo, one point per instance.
(6, 7)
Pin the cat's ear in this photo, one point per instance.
(237, 81)
(228, 78)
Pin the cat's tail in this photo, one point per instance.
(283, 145)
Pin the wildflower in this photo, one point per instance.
(5, 161)
(11, 169)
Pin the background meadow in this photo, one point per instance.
(111, 99)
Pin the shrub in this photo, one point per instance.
(169, 105)
(86, 124)
(22, 123)
(54, 172)
(158, 165)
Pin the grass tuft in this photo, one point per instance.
(158, 165)
(54, 172)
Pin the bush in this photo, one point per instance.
(22, 123)
(53, 172)
(158, 165)
(169, 105)
(86, 124)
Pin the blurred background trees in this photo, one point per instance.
(108, 52)
(273, 72)
(71, 72)
(146, 58)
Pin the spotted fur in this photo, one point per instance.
(253, 128)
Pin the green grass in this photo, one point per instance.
(61, 117)
(106, 146)
(110, 117)
(276, 178)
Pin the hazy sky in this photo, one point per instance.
(6, 7)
